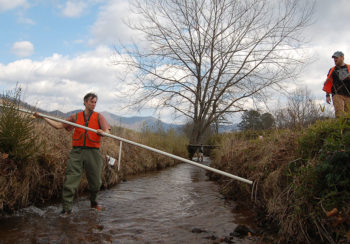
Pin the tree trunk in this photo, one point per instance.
(197, 133)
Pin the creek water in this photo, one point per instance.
(175, 205)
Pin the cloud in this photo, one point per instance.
(110, 26)
(6, 5)
(74, 9)
(60, 82)
(23, 49)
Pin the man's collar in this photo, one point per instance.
(87, 112)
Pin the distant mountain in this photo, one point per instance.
(139, 123)
(228, 128)
(58, 113)
(136, 123)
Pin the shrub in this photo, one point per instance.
(327, 143)
(324, 137)
(17, 137)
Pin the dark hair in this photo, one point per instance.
(89, 95)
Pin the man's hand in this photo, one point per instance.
(328, 99)
(36, 115)
(99, 132)
(55, 124)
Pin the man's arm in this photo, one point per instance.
(104, 125)
(54, 124)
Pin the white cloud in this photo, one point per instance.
(74, 9)
(110, 27)
(23, 49)
(60, 82)
(6, 5)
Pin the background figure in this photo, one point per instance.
(201, 153)
(338, 84)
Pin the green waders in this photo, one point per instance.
(79, 159)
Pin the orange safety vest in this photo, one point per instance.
(85, 138)
(327, 86)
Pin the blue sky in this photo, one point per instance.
(46, 26)
(59, 50)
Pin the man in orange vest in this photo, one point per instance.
(85, 154)
(338, 84)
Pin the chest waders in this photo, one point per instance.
(82, 159)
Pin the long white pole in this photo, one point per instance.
(145, 147)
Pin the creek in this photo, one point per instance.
(175, 205)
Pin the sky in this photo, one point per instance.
(57, 51)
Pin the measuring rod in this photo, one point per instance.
(145, 147)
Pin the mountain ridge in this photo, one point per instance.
(137, 123)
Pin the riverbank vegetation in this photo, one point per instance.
(301, 179)
(33, 157)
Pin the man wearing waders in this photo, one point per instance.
(85, 154)
(338, 84)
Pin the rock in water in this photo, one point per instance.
(240, 231)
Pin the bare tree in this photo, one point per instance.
(207, 58)
(301, 110)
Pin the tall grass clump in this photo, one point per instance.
(169, 141)
(141, 160)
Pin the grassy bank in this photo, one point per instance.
(32, 166)
(302, 179)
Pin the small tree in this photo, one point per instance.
(267, 121)
(250, 121)
(301, 110)
(17, 137)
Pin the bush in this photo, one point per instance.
(324, 137)
(328, 144)
(17, 137)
